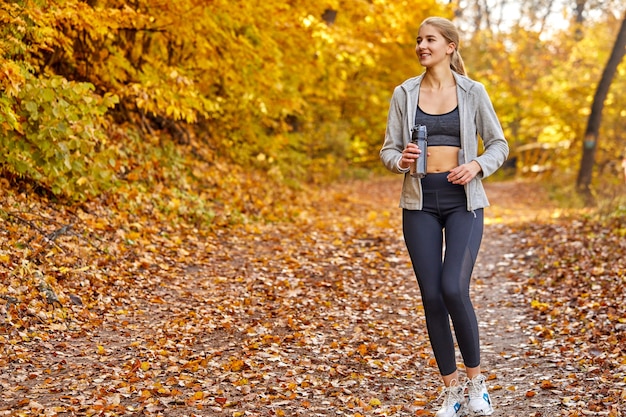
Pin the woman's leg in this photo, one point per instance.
(463, 231)
(424, 240)
(472, 372)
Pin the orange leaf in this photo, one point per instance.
(545, 384)
(362, 350)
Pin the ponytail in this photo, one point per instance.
(456, 62)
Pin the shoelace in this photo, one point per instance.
(475, 384)
(452, 394)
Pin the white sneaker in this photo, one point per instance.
(453, 403)
(479, 402)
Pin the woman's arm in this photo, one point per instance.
(490, 130)
(394, 143)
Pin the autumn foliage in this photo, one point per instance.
(294, 92)
(199, 92)
(177, 236)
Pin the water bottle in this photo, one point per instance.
(419, 137)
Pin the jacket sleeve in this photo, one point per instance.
(490, 130)
(391, 151)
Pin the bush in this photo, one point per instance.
(60, 141)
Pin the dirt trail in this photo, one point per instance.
(503, 311)
(317, 318)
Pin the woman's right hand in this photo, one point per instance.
(409, 155)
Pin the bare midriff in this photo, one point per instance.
(442, 159)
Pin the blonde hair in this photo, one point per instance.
(450, 32)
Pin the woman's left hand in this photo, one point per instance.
(463, 174)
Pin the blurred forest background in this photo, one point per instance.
(222, 111)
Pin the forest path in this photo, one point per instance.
(316, 318)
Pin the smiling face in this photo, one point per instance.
(432, 48)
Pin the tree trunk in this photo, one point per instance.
(590, 140)
(580, 8)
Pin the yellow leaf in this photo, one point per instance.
(375, 402)
(145, 366)
(236, 365)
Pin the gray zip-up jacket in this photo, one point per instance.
(477, 117)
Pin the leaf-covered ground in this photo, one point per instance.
(103, 313)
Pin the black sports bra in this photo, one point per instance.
(442, 129)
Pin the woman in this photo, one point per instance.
(448, 202)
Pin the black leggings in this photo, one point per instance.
(444, 283)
